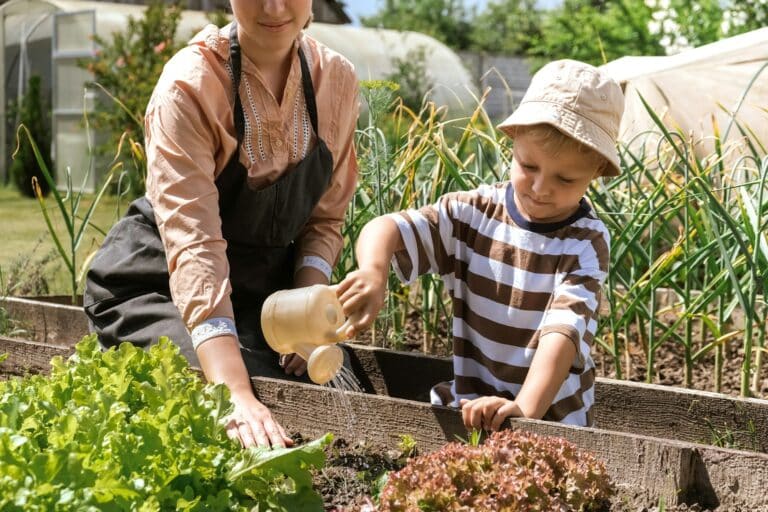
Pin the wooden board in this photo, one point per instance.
(645, 469)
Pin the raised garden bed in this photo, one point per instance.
(656, 441)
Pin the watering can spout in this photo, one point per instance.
(310, 322)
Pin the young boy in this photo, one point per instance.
(523, 260)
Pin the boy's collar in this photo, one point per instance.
(543, 227)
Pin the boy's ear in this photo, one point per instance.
(601, 168)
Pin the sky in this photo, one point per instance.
(357, 8)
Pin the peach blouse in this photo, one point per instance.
(190, 137)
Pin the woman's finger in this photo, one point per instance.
(258, 436)
(273, 433)
(286, 438)
(246, 434)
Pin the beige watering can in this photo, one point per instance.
(310, 322)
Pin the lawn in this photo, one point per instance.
(28, 257)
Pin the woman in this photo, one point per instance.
(251, 164)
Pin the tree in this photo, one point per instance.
(744, 15)
(683, 24)
(579, 30)
(447, 21)
(127, 67)
(511, 27)
(25, 166)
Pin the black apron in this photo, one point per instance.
(127, 295)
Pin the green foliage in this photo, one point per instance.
(218, 17)
(446, 20)
(28, 274)
(32, 115)
(510, 471)
(682, 24)
(412, 76)
(407, 446)
(592, 31)
(129, 429)
(744, 15)
(510, 27)
(68, 207)
(595, 34)
(127, 69)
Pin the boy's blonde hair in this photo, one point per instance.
(554, 142)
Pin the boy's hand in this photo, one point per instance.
(361, 294)
(487, 412)
(293, 364)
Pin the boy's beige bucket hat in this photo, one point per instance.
(577, 99)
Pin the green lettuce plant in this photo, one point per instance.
(512, 470)
(132, 430)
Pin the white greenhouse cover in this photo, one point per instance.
(370, 50)
(690, 89)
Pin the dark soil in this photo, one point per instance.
(352, 472)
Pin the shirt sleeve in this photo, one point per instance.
(429, 240)
(181, 148)
(574, 307)
(321, 241)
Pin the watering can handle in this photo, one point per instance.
(341, 332)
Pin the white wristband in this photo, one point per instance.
(211, 328)
(318, 263)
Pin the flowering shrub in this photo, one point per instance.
(512, 470)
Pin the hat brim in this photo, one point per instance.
(570, 123)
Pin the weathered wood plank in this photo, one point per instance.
(646, 469)
(683, 414)
(28, 356)
(45, 322)
(646, 409)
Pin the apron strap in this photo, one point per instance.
(234, 62)
(309, 91)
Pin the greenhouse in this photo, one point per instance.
(48, 37)
(728, 77)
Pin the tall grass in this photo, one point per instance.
(689, 253)
(68, 204)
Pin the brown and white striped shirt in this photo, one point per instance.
(511, 281)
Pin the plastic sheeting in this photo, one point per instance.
(697, 88)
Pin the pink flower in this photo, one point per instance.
(160, 47)
(120, 62)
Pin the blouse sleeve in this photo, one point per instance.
(181, 151)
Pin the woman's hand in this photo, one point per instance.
(252, 424)
(487, 412)
(362, 294)
(293, 364)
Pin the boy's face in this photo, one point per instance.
(548, 188)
